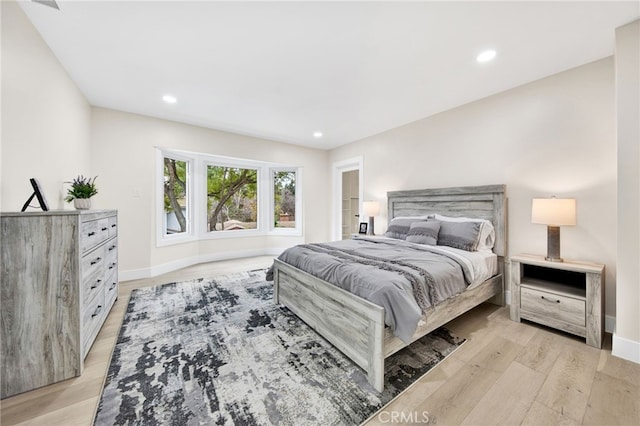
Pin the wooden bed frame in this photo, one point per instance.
(356, 326)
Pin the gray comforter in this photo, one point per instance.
(406, 279)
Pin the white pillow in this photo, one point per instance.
(487, 231)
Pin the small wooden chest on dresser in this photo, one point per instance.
(565, 295)
(58, 281)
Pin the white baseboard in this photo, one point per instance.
(626, 349)
(154, 271)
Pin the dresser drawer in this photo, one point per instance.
(93, 261)
(92, 285)
(111, 288)
(93, 232)
(92, 318)
(112, 264)
(111, 252)
(113, 226)
(552, 305)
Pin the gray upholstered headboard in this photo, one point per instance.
(485, 202)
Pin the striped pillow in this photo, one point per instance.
(424, 232)
(399, 227)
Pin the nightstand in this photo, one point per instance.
(568, 296)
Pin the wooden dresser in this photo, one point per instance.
(58, 281)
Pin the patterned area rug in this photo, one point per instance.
(218, 351)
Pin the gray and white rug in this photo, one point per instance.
(219, 352)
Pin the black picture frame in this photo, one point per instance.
(37, 192)
(363, 228)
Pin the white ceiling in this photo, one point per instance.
(282, 70)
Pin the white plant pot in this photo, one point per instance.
(82, 203)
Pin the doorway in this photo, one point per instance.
(350, 203)
(347, 197)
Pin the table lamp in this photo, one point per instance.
(553, 212)
(370, 208)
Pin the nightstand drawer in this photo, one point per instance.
(554, 306)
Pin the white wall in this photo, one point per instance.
(555, 136)
(626, 340)
(123, 156)
(45, 118)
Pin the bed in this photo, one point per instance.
(355, 325)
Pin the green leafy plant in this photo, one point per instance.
(81, 187)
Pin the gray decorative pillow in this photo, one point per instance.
(461, 235)
(424, 232)
(399, 227)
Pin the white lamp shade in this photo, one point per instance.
(370, 208)
(554, 211)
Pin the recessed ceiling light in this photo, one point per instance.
(317, 135)
(169, 99)
(486, 56)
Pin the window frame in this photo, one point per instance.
(197, 164)
(235, 163)
(163, 238)
(297, 230)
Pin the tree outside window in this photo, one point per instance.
(232, 198)
(175, 196)
(284, 193)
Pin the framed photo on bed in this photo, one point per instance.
(363, 228)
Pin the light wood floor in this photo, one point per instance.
(506, 373)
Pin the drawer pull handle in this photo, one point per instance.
(98, 259)
(98, 309)
(112, 247)
(91, 234)
(113, 285)
(549, 300)
(96, 284)
(113, 226)
(105, 228)
(112, 265)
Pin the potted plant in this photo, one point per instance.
(81, 191)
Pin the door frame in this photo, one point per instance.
(339, 167)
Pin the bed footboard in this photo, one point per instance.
(353, 325)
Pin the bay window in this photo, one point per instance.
(204, 196)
